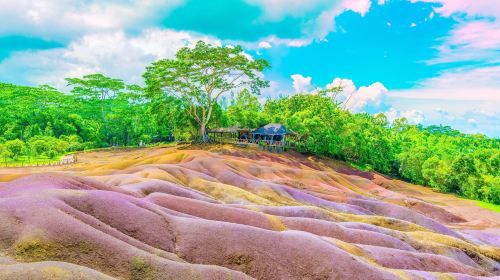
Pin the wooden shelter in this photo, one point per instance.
(271, 136)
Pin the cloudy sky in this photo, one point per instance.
(431, 61)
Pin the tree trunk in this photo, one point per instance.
(204, 136)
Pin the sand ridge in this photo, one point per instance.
(222, 212)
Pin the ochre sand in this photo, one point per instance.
(221, 212)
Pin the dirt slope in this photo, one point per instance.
(227, 213)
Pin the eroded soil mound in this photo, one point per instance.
(228, 213)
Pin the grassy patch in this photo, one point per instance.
(240, 262)
(35, 250)
(489, 206)
(141, 270)
(360, 166)
(29, 161)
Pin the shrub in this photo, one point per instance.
(15, 147)
(39, 147)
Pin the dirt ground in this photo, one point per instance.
(220, 211)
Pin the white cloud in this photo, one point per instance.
(471, 8)
(469, 94)
(459, 78)
(466, 93)
(325, 23)
(445, 114)
(277, 9)
(368, 98)
(275, 90)
(111, 53)
(264, 45)
(347, 89)
(364, 99)
(65, 20)
(454, 98)
(288, 42)
(475, 37)
(469, 97)
(301, 84)
(470, 84)
(346, 85)
(471, 41)
(313, 29)
(358, 6)
(59, 19)
(423, 105)
(413, 116)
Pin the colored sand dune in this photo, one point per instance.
(221, 212)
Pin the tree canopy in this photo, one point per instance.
(207, 87)
(199, 76)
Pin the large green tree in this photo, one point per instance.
(245, 111)
(201, 75)
(96, 88)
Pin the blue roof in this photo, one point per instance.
(271, 129)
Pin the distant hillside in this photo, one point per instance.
(221, 212)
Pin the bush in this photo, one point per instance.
(4, 152)
(39, 147)
(15, 147)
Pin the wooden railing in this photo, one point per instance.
(271, 145)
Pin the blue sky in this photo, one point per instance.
(431, 61)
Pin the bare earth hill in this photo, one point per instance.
(221, 212)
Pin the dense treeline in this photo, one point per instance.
(98, 111)
(43, 121)
(437, 156)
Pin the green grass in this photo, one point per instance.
(489, 206)
(483, 204)
(44, 160)
(362, 167)
(159, 144)
(28, 161)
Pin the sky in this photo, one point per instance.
(435, 62)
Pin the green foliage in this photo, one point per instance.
(97, 89)
(490, 206)
(245, 111)
(199, 76)
(325, 129)
(42, 123)
(4, 152)
(437, 156)
(141, 270)
(36, 249)
(15, 147)
(209, 86)
(449, 161)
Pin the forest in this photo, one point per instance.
(207, 87)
